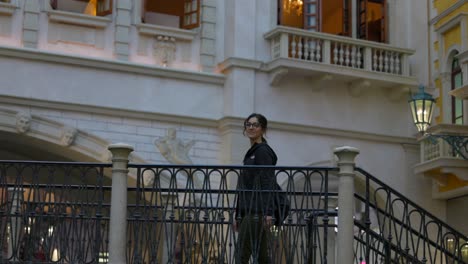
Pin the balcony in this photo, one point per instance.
(321, 56)
(442, 163)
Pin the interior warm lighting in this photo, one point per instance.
(422, 108)
(103, 257)
(91, 8)
(55, 255)
(293, 5)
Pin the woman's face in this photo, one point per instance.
(253, 130)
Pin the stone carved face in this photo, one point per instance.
(68, 136)
(23, 122)
(171, 133)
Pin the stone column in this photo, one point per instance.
(31, 23)
(346, 156)
(122, 29)
(118, 211)
(208, 35)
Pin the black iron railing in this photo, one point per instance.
(53, 212)
(188, 212)
(59, 213)
(393, 229)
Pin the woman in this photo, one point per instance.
(255, 205)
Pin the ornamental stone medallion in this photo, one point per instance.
(164, 50)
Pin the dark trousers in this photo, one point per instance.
(253, 240)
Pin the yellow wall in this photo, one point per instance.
(450, 38)
(452, 183)
(463, 8)
(442, 5)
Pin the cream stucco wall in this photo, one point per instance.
(116, 90)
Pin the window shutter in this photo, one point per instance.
(191, 18)
(362, 19)
(104, 7)
(383, 22)
(346, 18)
(312, 15)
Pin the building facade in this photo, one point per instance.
(447, 77)
(79, 75)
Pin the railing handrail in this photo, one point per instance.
(68, 163)
(326, 36)
(198, 166)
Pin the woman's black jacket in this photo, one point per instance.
(255, 185)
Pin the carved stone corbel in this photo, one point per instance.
(396, 93)
(318, 82)
(277, 75)
(164, 50)
(358, 87)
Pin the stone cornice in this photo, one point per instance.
(78, 19)
(155, 30)
(447, 11)
(451, 23)
(378, 77)
(225, 124)
(113, 65)
(7, 9)
(107, 111)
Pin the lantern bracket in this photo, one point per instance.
(458, 143)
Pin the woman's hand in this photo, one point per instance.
(235, 226)
(268, 220)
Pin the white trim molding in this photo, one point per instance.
(89, 62)
(7, 9)
(156, 30)
(78, 19)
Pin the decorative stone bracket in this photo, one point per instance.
(164, 50)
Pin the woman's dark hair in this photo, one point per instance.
(261, 120)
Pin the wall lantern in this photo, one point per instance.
(422, 107)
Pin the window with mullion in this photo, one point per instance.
(457, 104)
(175, 13)
(334, 17)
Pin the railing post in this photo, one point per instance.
(118, 210)
(346, 156)
(327, 53)
(405, 69)
(284, 45)
(368, 58)
(329, 231)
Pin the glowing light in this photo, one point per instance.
(291, 5)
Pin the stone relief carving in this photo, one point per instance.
(68, 135)
(173, 149)
(176, 152)
(164, 50)
(23, 122)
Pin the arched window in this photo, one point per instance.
(457, 104)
